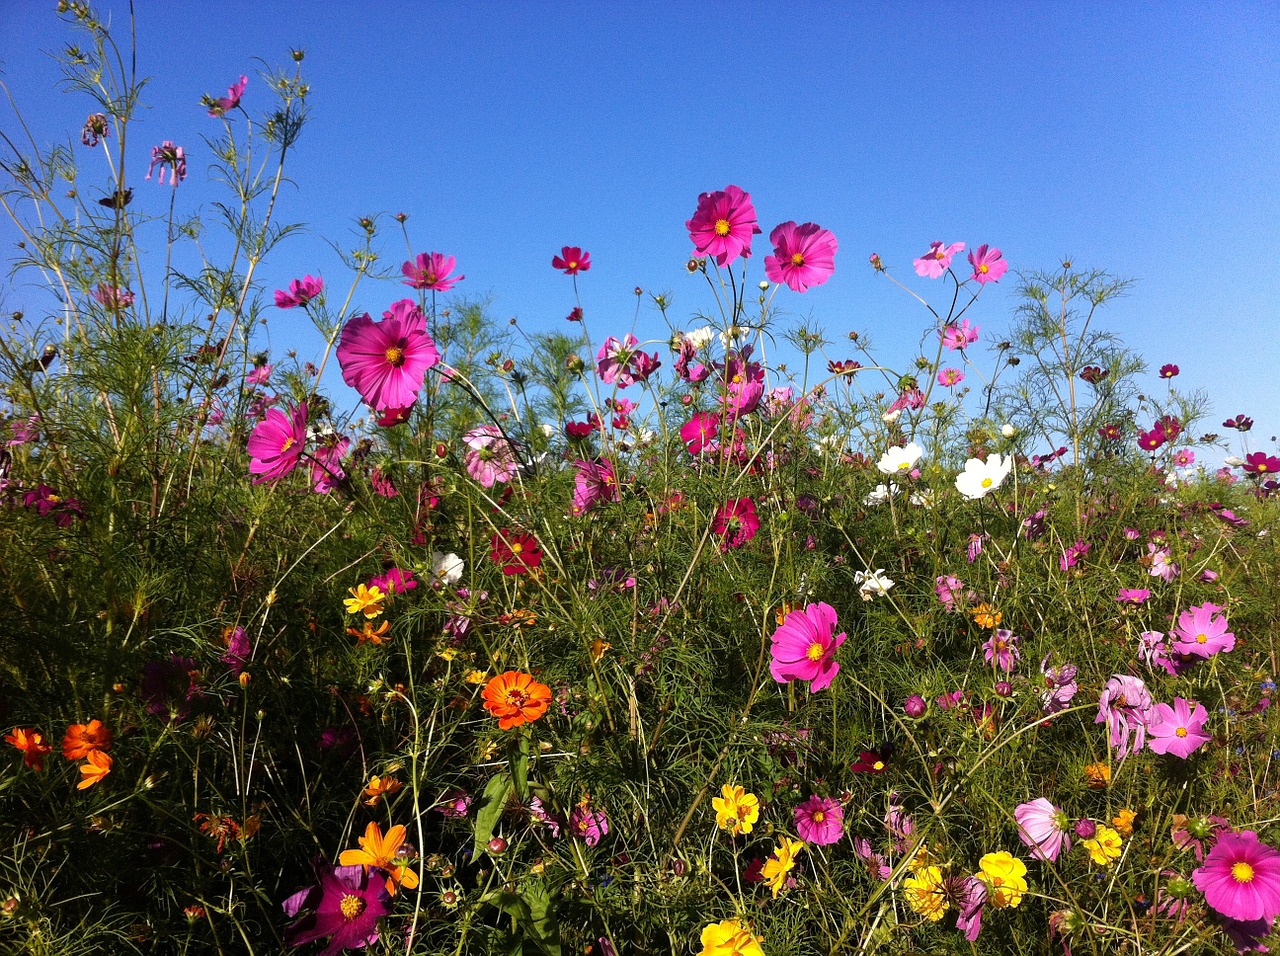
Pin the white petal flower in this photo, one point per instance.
(872, 583)
(980, 478)
(446, 568)
(882, 494)
(701, 338)
(900, 459)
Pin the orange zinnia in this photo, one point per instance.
(516, 698)
(83, 739)
(31, 742)
(95, 767)
(384, 852)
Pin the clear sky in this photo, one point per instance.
(1140, 138)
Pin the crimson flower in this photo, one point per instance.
(723, 225)
(1169, 371)
(1153, 439)
(431, 270)
(1260, 463)
(736, 523)
(869, 762)
(572, 260)
(515, 553)
(345, 905)
(803, 256)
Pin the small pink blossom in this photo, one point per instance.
(224, 104)
(988, 265)
(490, 459)
(594, 482)
(301, 291)
(1001, 648)
(1124, 707)
(950, 377)
(700, 431)
(957, 337)
(1044, 828)
(736, 523)
(431, 270)
(1177, 730)
(171, 159)
(277, 443)
(934, 263)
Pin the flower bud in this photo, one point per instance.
(1008, 431)
(1003, 688)
(497, 846)
(1086, 829)
(764, 286)
(442, 450)
(915, 706)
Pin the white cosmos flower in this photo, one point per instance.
(446, 568)
(882, 494)
(980, 478)
(701, 338)
(900, 459)
(872, 583)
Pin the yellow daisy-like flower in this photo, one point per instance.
(730, 938)
(1123, 822)
(926, 893)
(476, 677)
(736, 811)
(1005, 876)
(779, 866)
(1105, 846)
(924, 857)
(365, 600)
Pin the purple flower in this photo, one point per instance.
(971, 898)
(1002, 649)
(589, 824)
(820, 820)
(171, 159)
(1124, 708)
(170, 686)
(1043, 828)
(238, 652)
(1133, 595)
(345, 904)
(1060, 686)
(1177, 730)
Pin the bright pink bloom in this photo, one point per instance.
(950, 377)
(958, 336)
(1133, 595)
(621, 363)
(1150, 441)
(1124, 707)
(225, 104)
(595, 482)
(277, 443)
(490, 459)
(723, 225)
(588, 824)
(1202, 633)
(346, 904)
(430, 270)
(803, 256)
(260, 375)
(1044, 828)
(386, 361)
(988, 266)
(1177, 730)
(1241, 877)
(742, 398)
(736, 523)
(171, 159)
(820, 820)
(1260, 463)
(699, 432)
(1169, 371)
(572, 260)
(937, 260)
(1002, 648)
(301, 291)
(326, 465)
(804, 647)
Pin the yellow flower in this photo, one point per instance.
(780, 864)
(1098, 775)
(368, 634)
(378, 788)
(1105, 846)
(1123, 822)
(1004, 875)
(926, 893)
(924, 857)
(365, 600)
(737, 811)
(476, 677)
(730, 938)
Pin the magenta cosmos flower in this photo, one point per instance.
(958, 336)
(1002, 649)
(1044, 828)
(490, 458)
(1202, 633)
(723, 225)
(622, 363)
(277, 443)
(572, 260)
(700, 432)
(430, 270)
(224, 104)
(1241, 877)
(345, 904)
(736, 523)
(820, 820)
(386, 361)
(988, 265)
(803, 256)
(301, 291)
(1177, 730)
(937, 260)
(594, 482)
(804, 647)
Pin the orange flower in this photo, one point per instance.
(370, 634)
(380, 787)
(95, 767)
(984, 615)
(384, 852)
(1123, 822)
(516, 698)
(1098, 776)
(31, 742)
(83, 739)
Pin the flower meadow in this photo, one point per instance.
(574, 642)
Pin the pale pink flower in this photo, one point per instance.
(934, 263)
(960, 336)
(1044, 828)
(490, 459)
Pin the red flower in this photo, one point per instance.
(1260, 463)
(869, 762)
(572, 260)
(32, 744)
(736, 523)
(516, 553)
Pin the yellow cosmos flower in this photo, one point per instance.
(1105, 846)
(926, 893)
(384, 852)
(1098, 776)
(730, 938)
(1005, 876)
(365, 600)
(1123, 822)
(779, 866)
(736, 811)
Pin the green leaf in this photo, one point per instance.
(492, 802)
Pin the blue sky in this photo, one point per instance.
(1136, 138)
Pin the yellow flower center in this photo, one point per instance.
(797, 258)
(1202, 638)
(878, 765)
(351, 906)
(288, 443)
(815, 651)
(1180, 732)
(819, 816)
(722, 227)
(984, 268)
(986, 482)
(516, 547)
(1242, 873)
(1262, 467)
(903, 465)
(430, 278)
(395, 356)
(573, 264)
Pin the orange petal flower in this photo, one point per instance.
(97, 766)
(384, 852)
(83, 739)
(516, 698)
(31, 742)
(380, 787)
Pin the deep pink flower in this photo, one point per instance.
(736, 523)
(1044, 828)
(572, 260)
(971, 899)
(950, 377)
(1124, 707)
(260, 375)
(225, 104)
(430, 270)
(1002, 648)
(1169, 371)
(958, 336)
(238, 651)
(1240, 877)
(594, 482)
(301, 291)
(937, 260)
(171, 159)
(1153, 439)
(394, 581)
(988, 265)
(820, 820)
(490, 459)
(345, 904)
(723, 225)
(1133, 595)
(277, 443)
(803, 256)
(700, 432)
(622, 363)
(742, 398)
(1177, 730)
(326, 464)
(1202, 633)
(386, 361)
(1260, 463)
(804, 647)
(588, 824)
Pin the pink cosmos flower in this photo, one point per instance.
(1153, 439)
(937, 260)
(490, 459)
(595, 482)
(171, 159)
(1060, 686)
(736, 523)
(277, 443)
(959, 336)
(1160, 563)
(260, 375)
(1002, 648)
(1044, 828)
(1240, 877)
(1202, 633)
(113, 297)
(622, 364)
(1177, 730)
(225, 104)
(1260, 463)
(988, 265)
(950, 377)
(695, 373)
(301, 291)
(1169, 371)
(820, 820)
(1184, 458)
(430, 270)
(742, 398)
(346, 904)
(804, 647)
(588, 824)
(386, 361)
(723, 225)
(803, 256)
(1124, 707)
(1133, 595)
(572, 260)
(326, 465)
(948, 588)
(700, 432)
(971, 899)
